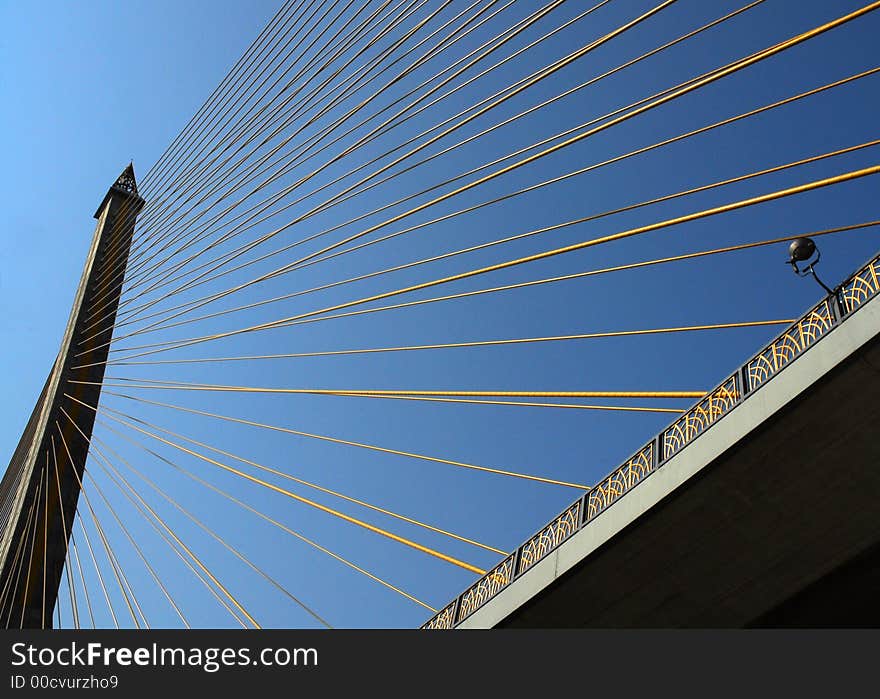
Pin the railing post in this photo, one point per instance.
(517, 556)
(838, 306)
(745, 388)
(455, 609)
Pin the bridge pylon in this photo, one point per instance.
(40, 490)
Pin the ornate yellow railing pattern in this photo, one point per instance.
(861, 286)
(550, 537)
(790, 344)
(444, 619)
(620, 481)
(705, 413)
(799, 337)
(486, 587)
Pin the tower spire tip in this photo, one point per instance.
(126, 181)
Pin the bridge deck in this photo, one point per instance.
(776, 495)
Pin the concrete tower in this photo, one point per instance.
(40, 489)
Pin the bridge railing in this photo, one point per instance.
(805, 332)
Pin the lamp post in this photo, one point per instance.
(802, 250)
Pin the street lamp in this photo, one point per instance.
(801, 250)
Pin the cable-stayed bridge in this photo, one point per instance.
(476, 302)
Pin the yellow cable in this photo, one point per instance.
(309, 484)
(528, 404)
(195, 558)
(477, 343)
(699, 83)
(82, 576)
(520, 86)
(100, 529)
(156, 383)
(361, 445)
(268, 519)
(33, 515)
(18, 563)
(306, 501)
(193, 304)
(134, 543)
(521, 26)
(30, 565)
(772, 196)
(105, 462)
(98, 571)
(716, 75)
(73, 606)
(567, 277)
(180, 555)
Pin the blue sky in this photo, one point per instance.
(92, 85)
